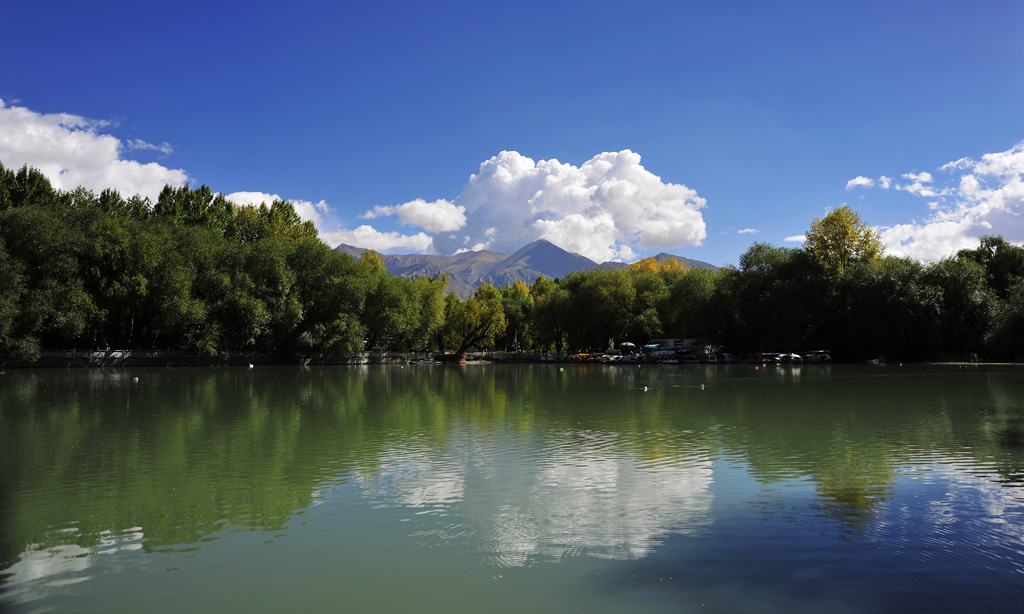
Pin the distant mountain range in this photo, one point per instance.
(466, 271)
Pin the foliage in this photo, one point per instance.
(779, 298)
(476, 322)
(391, 307)
(965, 304)
(841, 239)
(1003, 263)
(653, 265)
(551, 315)
(372, 261)
(517, 304)
(691, 305)
(194, 272)
(1006, 337)
(890, 311)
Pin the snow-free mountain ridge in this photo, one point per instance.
(466, 271)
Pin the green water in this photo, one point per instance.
(527, 488)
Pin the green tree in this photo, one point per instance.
(1003, 262)
(644, 317)
(889, 310)
(112, 204)
(1006, 336)
(601, 308)
(549, 321)
(12, 288)
(55, 308)
(691, 304)
(841, 239)
(8, 187)
(120, 261)
(966, 304)
(517, 305)
(332, 295)
(390, 309)
(475, 323)
(776, 300)
(430, 294)
(31, 187)
(274, 284)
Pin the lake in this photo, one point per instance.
(513, 488)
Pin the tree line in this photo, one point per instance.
(197, 273)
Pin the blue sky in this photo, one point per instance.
(689, 127)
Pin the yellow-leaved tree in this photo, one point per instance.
(653, 265)
(841, 239)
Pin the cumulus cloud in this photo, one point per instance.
(883, 182)
(74, 151)
(860, 182)
(795, 239)
(603, 209)
(369, 237)
(747, 231)
(306, 210)
(438, 216)
(984, 196)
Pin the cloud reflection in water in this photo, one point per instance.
(590, 493)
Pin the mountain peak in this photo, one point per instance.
(467, 270)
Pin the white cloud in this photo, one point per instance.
(368, 237)
(73, 151)
(918, 186)
(594, 237)
(164, 148)
(883, 182)
(984, 197)
(306, 210)
(859, 182)
(795, 239)
(437, 216)
(928, 241)
(922, 177)
(747, 231)
(603, 209)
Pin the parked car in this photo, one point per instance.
(709, 359)
(726, 358)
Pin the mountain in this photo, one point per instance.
(466, 271)
(662, 257)
(536, 259)
(351, 250)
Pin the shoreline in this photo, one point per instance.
(164, 358)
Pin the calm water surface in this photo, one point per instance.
(513, 489)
